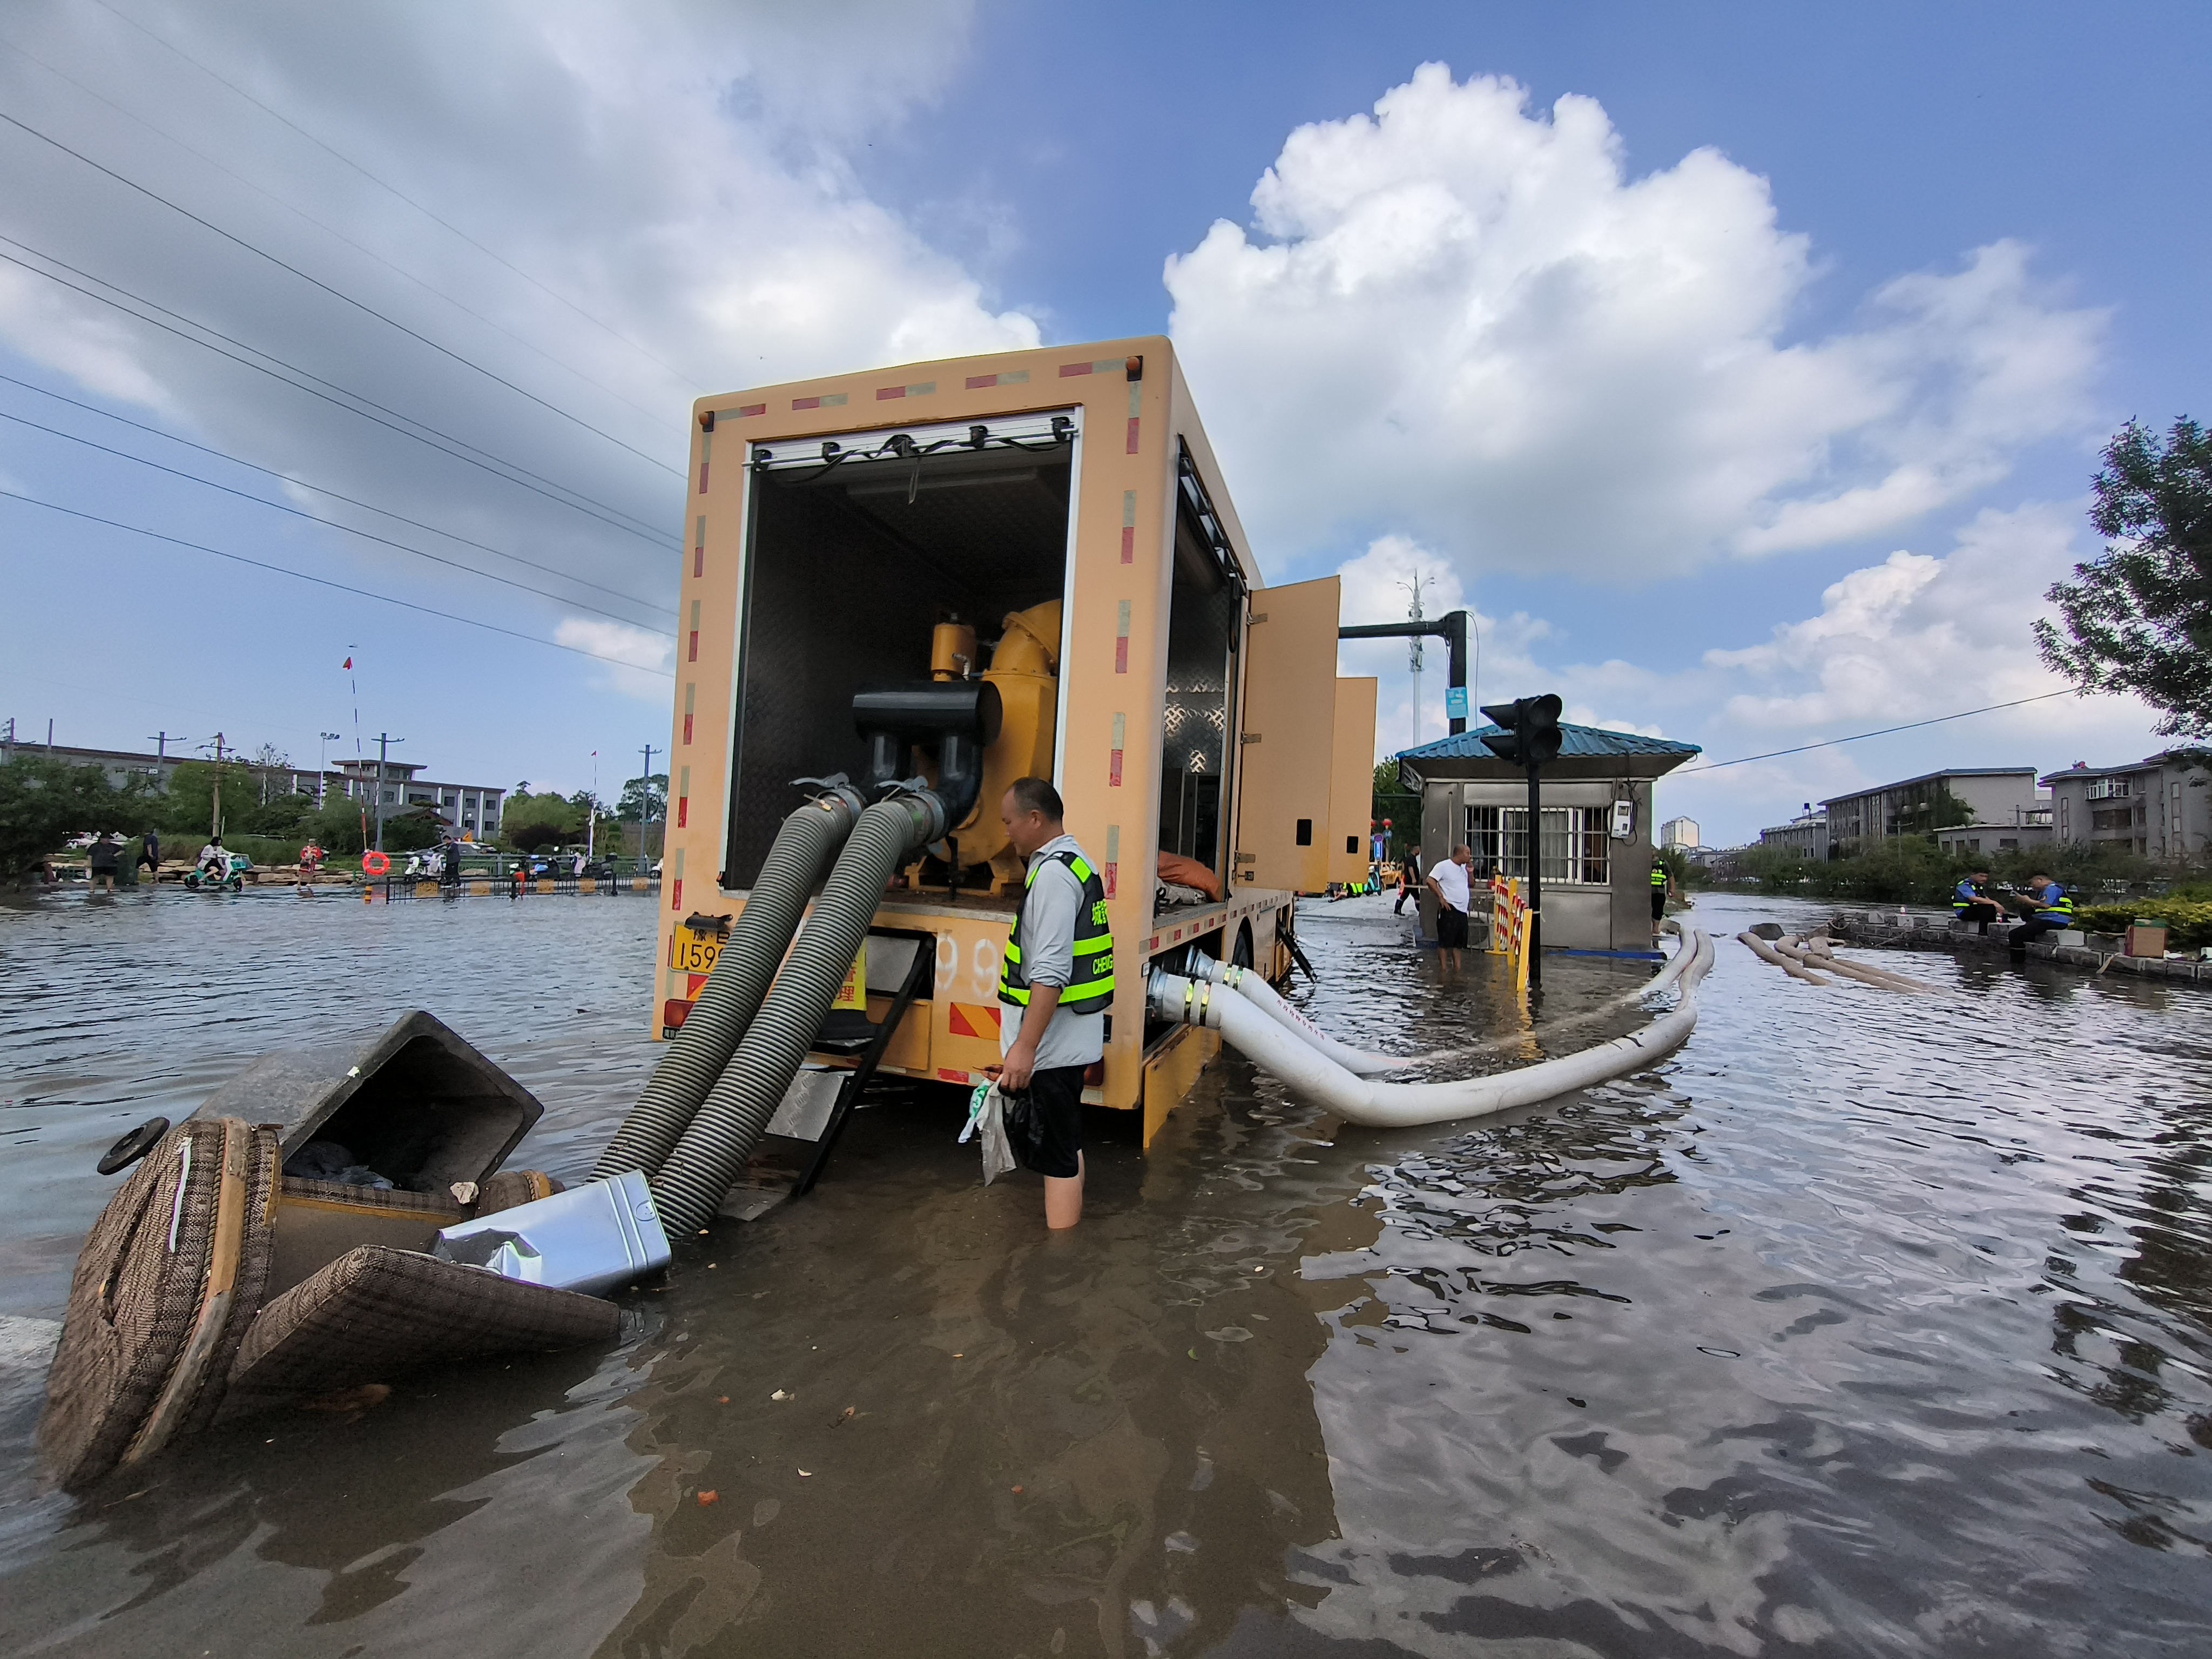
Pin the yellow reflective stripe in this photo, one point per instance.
(1013, 953)
(1091, 946)
(1075, 863)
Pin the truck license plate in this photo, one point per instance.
(690, 952)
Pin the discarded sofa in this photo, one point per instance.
(277, 1244)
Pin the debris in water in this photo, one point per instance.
(721, 1400)
(707, 1497)
(807, 1474)
(338, 1401)
(1017, 1492)
(779, 1394)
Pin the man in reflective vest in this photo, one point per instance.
(1971, 901)
(1058, 971)
(1662, 881)
(2053, 913)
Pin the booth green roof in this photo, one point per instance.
(1577, 743)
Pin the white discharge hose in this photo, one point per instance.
(1283, 1051)
(1362, 1062)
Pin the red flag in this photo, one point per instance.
(349, 662)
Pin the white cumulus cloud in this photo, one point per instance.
(1460, 320)
(642, 660)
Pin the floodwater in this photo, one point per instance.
(1864, 1325)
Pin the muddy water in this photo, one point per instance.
(1864, 1326)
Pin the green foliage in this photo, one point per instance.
(43, 802)
(2188, 922)
(2139, 616)
(531, 822)
(411, 831)
(1912, 870)
(187, 810)
(644, 799)
(1391, 800)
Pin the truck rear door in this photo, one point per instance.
(1287, 731)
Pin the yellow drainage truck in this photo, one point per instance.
(1042, 542)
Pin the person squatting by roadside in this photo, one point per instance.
(1452, 883)
(1058, 971)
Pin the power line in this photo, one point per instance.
(316, 518)
(324, 582)
(336, 294)
(380, 184)
(302, 483)
(459, 448)
(329, 230)
(1910, 725)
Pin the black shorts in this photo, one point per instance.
(1452, 928)
(1057, 1097)
(1658, 904)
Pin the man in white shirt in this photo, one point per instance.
(1451, 883)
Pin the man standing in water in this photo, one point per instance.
(1058, 971)
(1451, 883)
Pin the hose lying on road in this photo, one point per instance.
(1283, 1051)
(727, 1003)
(1806, 956)
(1766, 953)
(1366, 1063)
(715, 1146)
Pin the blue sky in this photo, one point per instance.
(1749, 395)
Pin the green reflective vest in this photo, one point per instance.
(2059, 910)
(1092, 986)
(1658, 875)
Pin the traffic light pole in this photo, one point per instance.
(1535, 879)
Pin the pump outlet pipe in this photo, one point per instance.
(1400, 1105)
(1361, 1062)
(727, 1003)
(689, 1187)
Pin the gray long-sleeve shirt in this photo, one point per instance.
(1047, 942)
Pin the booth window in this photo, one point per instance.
(1575, 850)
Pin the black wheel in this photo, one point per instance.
(1240, 954)
(133, 1146)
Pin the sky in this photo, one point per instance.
(1741, 368)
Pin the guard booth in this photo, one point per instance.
(1594, 842)
(1054, 522)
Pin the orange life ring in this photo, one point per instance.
(375, 864)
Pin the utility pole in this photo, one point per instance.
(645, 821)
(8, 743)
(1415, 652)
(384, 742)
(322, 764)
(215, 807)
(1529, 735)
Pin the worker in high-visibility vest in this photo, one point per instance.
(2053, 913)
(1055, 982)
(1663, 885)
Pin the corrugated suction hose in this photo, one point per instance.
(727, 1003)
(691, 1181)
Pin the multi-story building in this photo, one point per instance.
(1679, 832)
(1806, 835)
(2159, 807)
(1987, 794)
(472, 808)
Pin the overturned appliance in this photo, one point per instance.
(279, 1244)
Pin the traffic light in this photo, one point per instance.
(1528, 732)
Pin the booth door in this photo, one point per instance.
(1285, 738)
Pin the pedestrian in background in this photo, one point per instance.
(106, 852)
(149, 854)
(1409, 882)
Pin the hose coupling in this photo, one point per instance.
(836, 787)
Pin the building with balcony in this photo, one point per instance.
(2160, 807)
(1986, 794)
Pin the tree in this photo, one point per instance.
(2139, 617)
(1391, 799)
(644, 799)
(44, 802)
(531, 822)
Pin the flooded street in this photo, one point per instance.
(1867, 1324)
